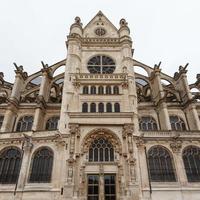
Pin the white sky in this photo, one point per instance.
(35, 30)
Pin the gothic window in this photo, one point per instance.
(101, 65)
(116, 89)
(101, 107)
(108, 107)
(177, 123)
(108, 90)
(93, 89)
(85, 90)
(160, 165)
(84, 107)
(147, 124)
(52, 123)
(117, 107)
(10, 161)
(25, 124)
(92, 107)
(191, 159)
(1, 120)
(41, 166)
(101, 151)
(100, 89)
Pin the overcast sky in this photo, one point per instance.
(35, 30)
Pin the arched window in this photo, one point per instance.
(101, 65)
(108, 90)
(85, 90)
(100, 90)
(101, 151)
(116, 89)
(52, 123)
(10, 161)
(191, 159)
(177, 123)
(93, 90)
(25, 124)
(161, 166)
(148, 124)
(1, 120)
(92, 107)
(84, 107)
(117, 107)
(41, 166)
(108, 107)
(101, 107)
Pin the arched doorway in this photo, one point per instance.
(102, 148)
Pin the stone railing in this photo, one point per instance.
(87, 76)
(160, 133)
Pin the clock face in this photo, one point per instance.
(100, 31)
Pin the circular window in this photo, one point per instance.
(100, 31)
(101, 65)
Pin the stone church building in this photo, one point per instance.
(99, 125)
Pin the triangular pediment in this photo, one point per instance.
(100, 26)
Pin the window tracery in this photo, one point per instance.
(177, 123)
(191, 159)
(101, 151)
(42, 164)
(10, 160)
(147, 123)
(52, 123)
(101, 65)
(25, 123)
(161, 166)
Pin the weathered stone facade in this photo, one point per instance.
(75, 97)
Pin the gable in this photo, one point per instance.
(95, 28)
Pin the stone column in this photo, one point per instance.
(14, 99)
(176, 146)
(58, 178)
(159, 98)
(143, 170)
(39, 114)
(27, 148)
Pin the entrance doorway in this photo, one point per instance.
(101, 187)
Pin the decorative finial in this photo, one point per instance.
(18, 68)
(123, 22)
(157, 66)
(44, 65)
(78, 20)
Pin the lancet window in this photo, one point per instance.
(25, 124)
(177, 123)
(147, 123)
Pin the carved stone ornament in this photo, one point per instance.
(97, 133)
(176, 146)
(182, 70)
(1, 78)
(74, 128)
(140, 142)
(123, 22)
(20, 70)
(128, 129)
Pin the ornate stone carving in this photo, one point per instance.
(127, 130)
(132, 163)
(182, 70)
(20, 70)
(73, 129)
(176, 146)
(140, 142)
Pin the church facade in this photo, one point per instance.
(91, 127)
